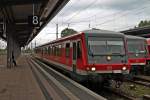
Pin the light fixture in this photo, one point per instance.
(93, 69)
(124, 68)
(108, 57)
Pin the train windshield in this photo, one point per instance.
(136, 46)
(105, 46)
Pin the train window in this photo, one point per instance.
(67, 49)
(35, 50)
(136, 46)
(49, 50)
(79, 52)
(55, 51)
(74, 51)
(100, 46)
(45, 51)
(42, 51)
(52, 50)
(59, 50)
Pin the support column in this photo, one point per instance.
(9, 49)
(16, 49)
(12, 46)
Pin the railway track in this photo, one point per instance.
(142, 78)
(59, 85)
(140, 82)
(120, 93)
(116, 94)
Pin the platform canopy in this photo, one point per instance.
(19, 15)
(139, 31)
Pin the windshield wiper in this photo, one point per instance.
(117, 53)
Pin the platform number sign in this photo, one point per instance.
(34, 21)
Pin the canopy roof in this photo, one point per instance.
(17, 13)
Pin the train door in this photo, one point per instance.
(74, 56)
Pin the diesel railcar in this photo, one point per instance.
(91, 54)
(137, 53)
(147, 69)
(148, 45)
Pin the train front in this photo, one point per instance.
(107, 54)
(137, 54)
(147, 69)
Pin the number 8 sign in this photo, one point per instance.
(34, 21)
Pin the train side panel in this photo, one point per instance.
(67, 59)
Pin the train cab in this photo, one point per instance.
(137, 53)
(148, 45)
(147, 69)
(106, 52)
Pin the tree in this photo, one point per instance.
(67, 31)
(143, 23)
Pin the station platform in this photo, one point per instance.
(30, 80)
(19, 83)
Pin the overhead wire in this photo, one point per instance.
(67, 10)
(106, 16)
(72, 7)
(88, 6)
(111, 20)
(120, 16)
(116, 13)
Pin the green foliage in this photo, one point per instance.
(144, 23)
(67, 31)
(2, 51)
(27, 50)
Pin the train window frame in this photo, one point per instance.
(67, 50)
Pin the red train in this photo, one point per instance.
(91, 54)
(147, 69)
(137, 53)
(148, 45)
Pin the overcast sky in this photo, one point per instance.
(112, 15)
(115, 15)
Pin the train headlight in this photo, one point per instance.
(124, 68)
(108, 57)
(136, 54)
(93, 69)
(87, 68)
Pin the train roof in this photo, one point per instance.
(89, 32)
(99, 31)
(134, 37)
